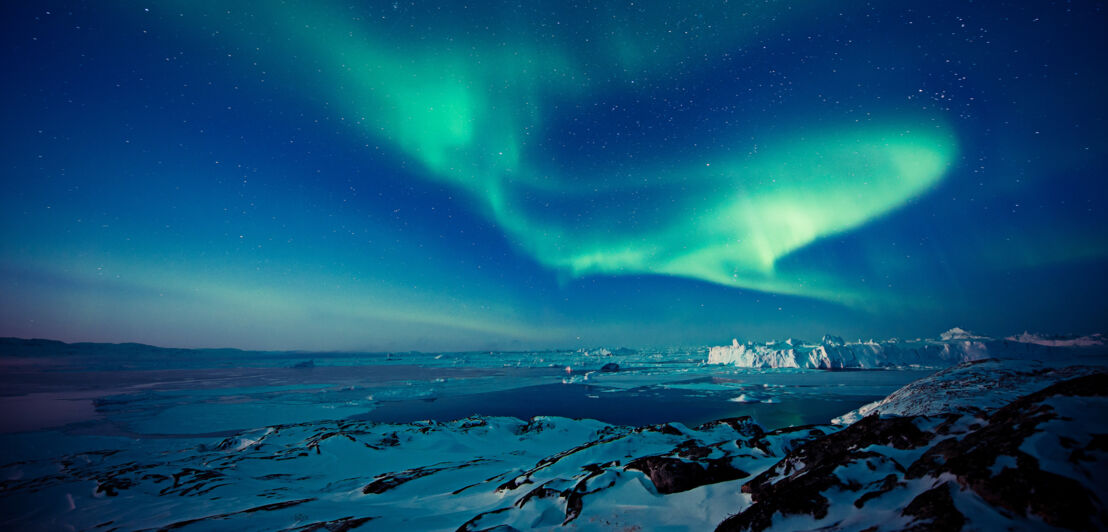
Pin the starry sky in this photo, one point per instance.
(504, 175)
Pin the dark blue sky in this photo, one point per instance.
(325, 175)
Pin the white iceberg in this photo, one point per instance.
(953, 347)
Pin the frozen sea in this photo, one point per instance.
(145, 393)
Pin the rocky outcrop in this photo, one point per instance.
(969, 388)
(691, 468)
(999, 462)
(798, 483)
(1040, 458)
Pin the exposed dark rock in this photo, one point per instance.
(934, 511)
(535, 425)
(471, 525)
(809, 433)
(608, 435)
(112, 486)
(575, 497)
(692, 450)
(470, 423)
(664, 428)
(541, 492)
(194, 481)
(610, 367)
(515, 483)
(313, 443)
(264, 508)
(983, 458)
(882, 486)
(1057, 500)
(674, 475)
(795, 485)
(335, 525)
(1098, 444)
(392, 440)
(388, 481)
(744, 425)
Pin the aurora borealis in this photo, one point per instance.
(328, 175)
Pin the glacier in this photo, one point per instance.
(952, 347)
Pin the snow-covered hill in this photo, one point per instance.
(968, 388)
(952, 347)
(982, 445)
(1037, 463)
(473, 473)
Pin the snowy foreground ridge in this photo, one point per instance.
(952, 347)
(1005, 445)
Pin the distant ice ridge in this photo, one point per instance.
(971, 388)
(954, 346)
(1093, 340)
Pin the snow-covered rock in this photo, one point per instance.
(470, 474)
(1036, 463)
(971, 387)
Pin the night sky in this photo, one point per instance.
(517, 175)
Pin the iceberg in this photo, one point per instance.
(951, 348)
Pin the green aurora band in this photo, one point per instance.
(465, 107)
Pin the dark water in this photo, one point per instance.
(641, 406)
